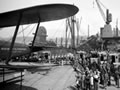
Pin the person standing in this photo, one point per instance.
(91, 80)
(96, 79)
(117, 77)
(83, 81)
(87, 81)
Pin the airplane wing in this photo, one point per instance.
(44, 12)
(18, 66)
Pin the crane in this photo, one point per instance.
(108, 17)
(107, 30)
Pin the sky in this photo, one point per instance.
(88, 10)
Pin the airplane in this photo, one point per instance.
(30, 15)
(19, 49)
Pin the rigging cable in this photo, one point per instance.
(57, 29)
(24, 29)
(10, 38)
(30, 32)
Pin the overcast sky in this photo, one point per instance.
(88, 10)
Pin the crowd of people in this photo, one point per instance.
(91, 75)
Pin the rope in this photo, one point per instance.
(30, 32)
(57, 29)
(18, 34)
(24, 29)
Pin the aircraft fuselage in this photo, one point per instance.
(18, 49)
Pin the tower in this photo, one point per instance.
(41, 36)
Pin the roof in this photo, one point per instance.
(111, 38)
(30, 15)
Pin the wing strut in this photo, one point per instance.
(35, 34)
(13, 39)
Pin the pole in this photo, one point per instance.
(66, 33)
(88, 31)
(21, 80)
(3, 75)
(61, 41)
(56, 41)
(77, 25)
(73, 32)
